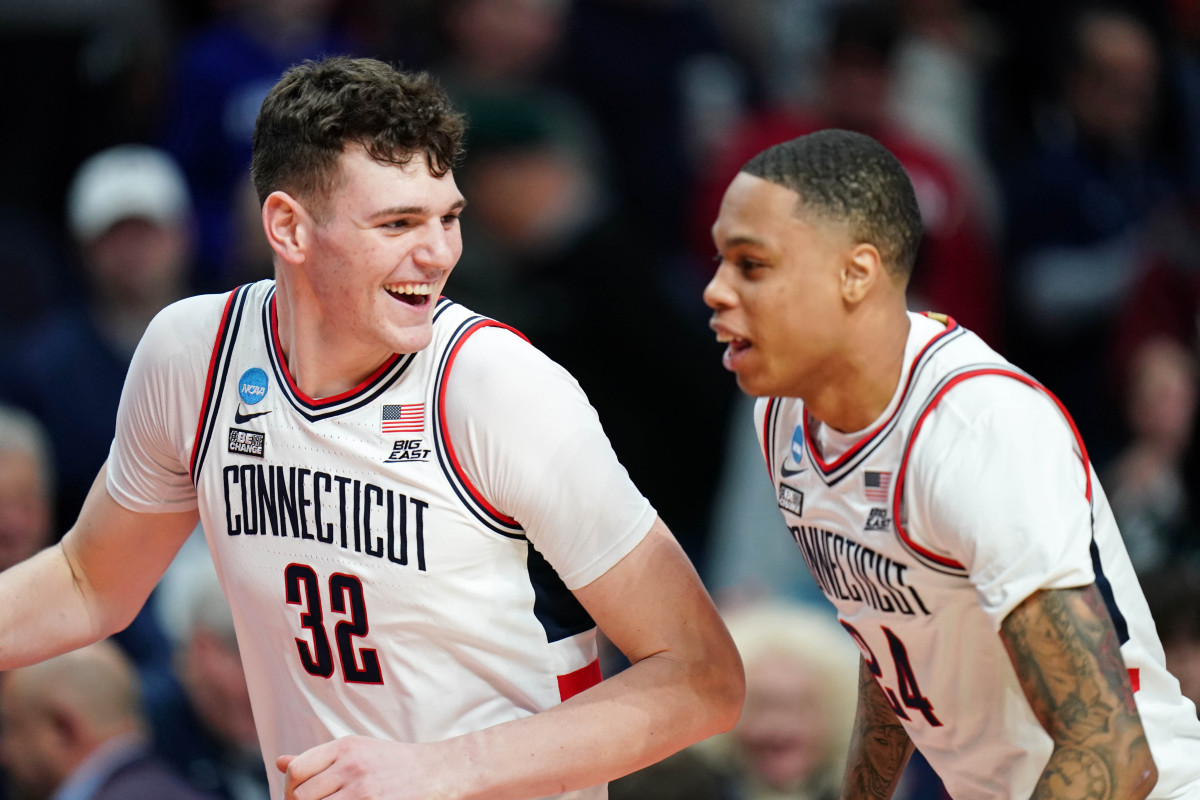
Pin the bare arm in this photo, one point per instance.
(89, 585)
(879, 746)
(1068, 660)
(685, 683)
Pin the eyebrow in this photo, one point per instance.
(740, 241)
(402, 211)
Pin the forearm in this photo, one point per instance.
(43, 610)
(89, 585)
(879, 746)
(635, 718)
(1068, 661)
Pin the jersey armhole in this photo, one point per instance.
(222, 346)
(934, 560)
(463, 487)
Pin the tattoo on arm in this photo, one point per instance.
(1068, 660)
(879, 746)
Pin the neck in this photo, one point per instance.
(321, 361)
(862, 383)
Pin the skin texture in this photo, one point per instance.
(380, 225)
(879, 747)
(813, 313)
(1068, 660)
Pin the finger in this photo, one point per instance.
(299, 769)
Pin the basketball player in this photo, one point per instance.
(942, 500)
(415, 515)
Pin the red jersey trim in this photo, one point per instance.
(937, 398)
(325, 401)
(578, 681)
(476, 495)
(814, 451)
(208, 381)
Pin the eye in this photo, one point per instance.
(449, 220)
(749, 264)
(397, 224)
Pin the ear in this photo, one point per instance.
(288, 226)
(861, 270)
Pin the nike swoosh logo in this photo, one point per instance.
(787, 473)
(241, 418)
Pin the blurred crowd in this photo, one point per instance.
(1055, 149)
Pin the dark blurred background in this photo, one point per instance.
(1054, 146)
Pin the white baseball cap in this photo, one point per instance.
(123, 182)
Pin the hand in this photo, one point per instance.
(361, 768)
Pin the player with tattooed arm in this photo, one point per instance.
(943, 501)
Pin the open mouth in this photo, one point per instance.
(734, 343)
(414, 294)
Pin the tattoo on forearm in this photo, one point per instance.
(879, 746)
(1068, 660)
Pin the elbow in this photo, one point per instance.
(1143, 773)
(725, 692)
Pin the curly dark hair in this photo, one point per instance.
(849, 177)
(320, 107)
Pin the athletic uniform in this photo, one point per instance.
(970, 492)
(399, 557)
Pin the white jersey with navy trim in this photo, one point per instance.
(969, 493)
(369, 543)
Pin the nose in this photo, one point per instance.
(718, 294)
(440, 247)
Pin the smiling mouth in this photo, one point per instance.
(414, 294)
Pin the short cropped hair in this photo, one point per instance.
(318, 108)
(849, 177)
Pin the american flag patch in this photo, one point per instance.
(407, 418)
(877, 485)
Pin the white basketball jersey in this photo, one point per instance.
(925, 614)
(375, 591)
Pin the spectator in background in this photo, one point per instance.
(26, 487)
(1147, 479)
(221, 73)
(792, 738)
(548, 250)
(957, 269)
(72, 727)
(1173, 593)
(130, 213)
(206, 731)
(1077, 206)
(660, 79)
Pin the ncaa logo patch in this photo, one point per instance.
(252, 386)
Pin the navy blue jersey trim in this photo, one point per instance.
(224, 358)
(1110, 600)
(555, 606)
(456, 481)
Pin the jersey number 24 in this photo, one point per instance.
(906, 679)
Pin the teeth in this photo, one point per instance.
(724, 338)
(409, 288)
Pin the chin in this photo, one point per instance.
(410, 340)
(754, 388)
